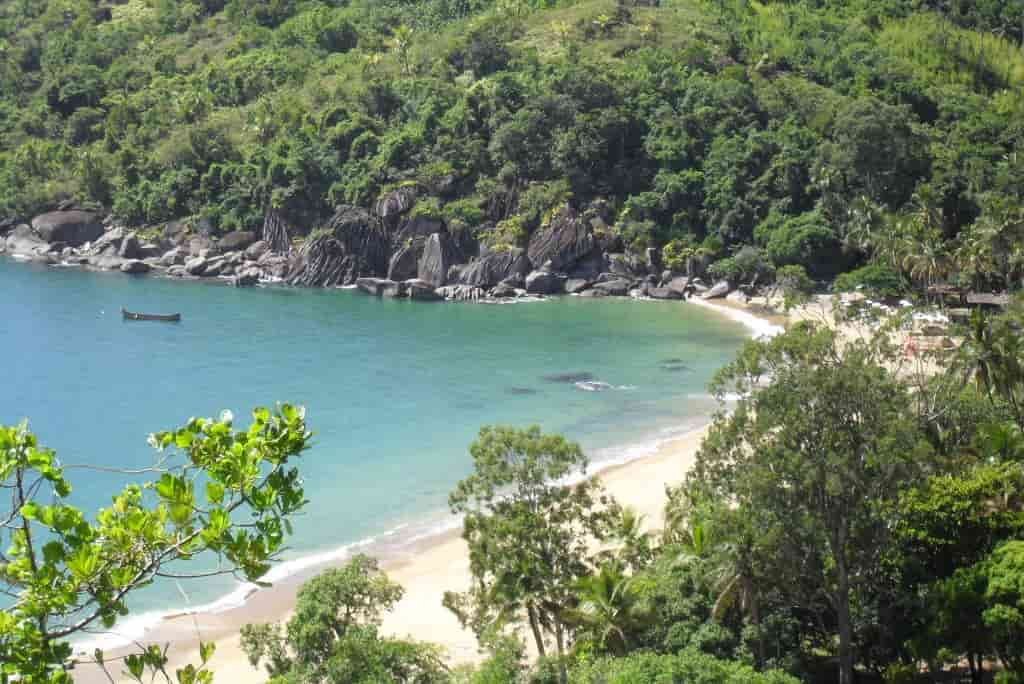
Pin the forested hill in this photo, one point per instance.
(743, 135)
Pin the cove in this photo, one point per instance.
(395, 390)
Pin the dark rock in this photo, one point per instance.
(239, 239)
(544, 282)
(256, 250)
(201, 245)
(8, 224)
(177, 271)
(391, 206)
(439, 254)
(416, 230)
(617, 288)
(680, 286)
(718, 290)
(135, 267)
(663, 293)
(353, 246)
(381, 287)
(421, 291)
(569, 378)
(130, 247)
(576, 285)
(494, 267)
(149, 250)
(247, 278)
(653, 259)
(626, 265)
(563, 241)
(404, 264)
(520, 391)
(590, 266)
(195, 266)
(73, 227)
(504, 291)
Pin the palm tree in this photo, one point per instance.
(610, 609)
(731, 569)
(925, 258)
(401, 43)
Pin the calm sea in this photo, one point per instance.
(395, 390)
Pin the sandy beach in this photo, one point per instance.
(426, 570)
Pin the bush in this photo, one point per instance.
(807, 241)
(874, 280)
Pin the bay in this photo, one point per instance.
(395, 390)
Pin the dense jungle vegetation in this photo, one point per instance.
(881, 139)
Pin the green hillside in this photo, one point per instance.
(824, 134)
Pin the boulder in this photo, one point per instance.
(173, 257)
(593, 292)
(175, 232)
(23, 242)
(404, 264)
(494, 267)
(564, 241)
(106, 262)
(663, 293)
(626, 265)
(680, 286)
(72, 227)
(545, 282)
(110, 242)
(718, 290)
(135, 267)
(576, 285)
(247, 278)
(7, 224)
(439, 254)
(639, 292)
(150, 250)
(130, 247)
(738, 297)
(257, 249)
(177, 271)
(195, 266)
(392, 206)
(201, 245)
(504, 291)
(421, 291)
(380, 287)
(619, 287)
(237, 240)
(214, 267)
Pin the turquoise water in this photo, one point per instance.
(394, 390)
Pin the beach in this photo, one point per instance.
(427, 568)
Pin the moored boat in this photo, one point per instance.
(133, 316)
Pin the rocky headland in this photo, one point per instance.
(390, 250)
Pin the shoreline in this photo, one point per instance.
(427, 564)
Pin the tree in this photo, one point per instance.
(222, 495)
(1004, 598)
(333, 637)
(610, 609)
(817, 453)
(527, 533)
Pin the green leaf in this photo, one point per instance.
(215, 492)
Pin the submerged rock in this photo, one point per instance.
(569, 378)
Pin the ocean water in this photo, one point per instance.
(395, 390)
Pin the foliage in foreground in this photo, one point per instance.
(222, 502)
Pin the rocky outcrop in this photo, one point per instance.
(353, 246)
(405, 263)
(24, 242)
(439, 255)
(560, 244)
(135, 267)
(130, 247)
(276, 233)
(380, 287)
(545, 282)
(492, 268)
(237, 240)
(257, 249)
(419, 290)
(618, 287)
(395, 204)
(73, 228)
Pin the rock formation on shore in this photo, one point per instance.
(393, 250)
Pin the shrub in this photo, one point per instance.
(686, 668)
(874, 280)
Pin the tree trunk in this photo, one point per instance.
(843, 613)
(535, 628)
(563, 673)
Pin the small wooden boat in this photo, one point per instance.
(132, 316)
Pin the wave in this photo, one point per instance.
(600, 386)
